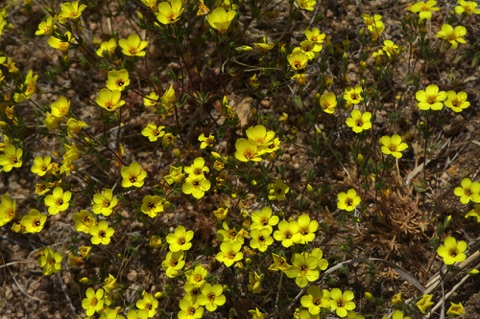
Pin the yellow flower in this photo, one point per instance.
(257, 314)
(475, 212)
(261, 239)
(137, 314)
(207, 141)
(61, 42)
(452, 36)
(303, 269)
(150, 99)
(246, 151)
(398, 314)
(264, 45)
(133, 175)
(58, 201)
(104, 202)
(50, 261)
(43, 188)
(397, 298)
(278, 190)
(8, 208)
(264, 219)
(457, 102)
(353, 95)
(173, 263)
(230, 253)
(314, 35)
(169, 12)
(33, 222)
(168, 98)
(452, 251)
(60, 107)
(211, 297)
(93, 301)
(101, 233)
(202, 8)
(456, 309)
(152, 205)
(328, 102)
(118, 80)
(196, 276)
(152, 4)
(390, 48)
(424, 303)
(315, 300)
(189, 310)
(198, 168)
(468, 191)
(393, 145)
(46, 26)
(348, 201)
(107, 47)
(70, 10)
(255, 282)
(27, 88)
(84, 221)
(75, 126)
(431, 98)
(374, 25)
(467, 7)
(310, 48)
(307, 228)
(51, 122)
(147, 303)
(359, 121)
(340, 302)
(11, 158)
(196, 185)
(287, 233)
(424, 9)
(220, 19)
(153, 132)
(41, 165)
(297, 59)
(279, 263)
(175, 175)
(259, 136)
(308, 5)
(133, 45)
(109, 100)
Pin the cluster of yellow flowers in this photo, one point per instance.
(266, 235)
(259, 141)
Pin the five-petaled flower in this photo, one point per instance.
(133, 175)
(180, 239)
(353, 95)
(452, 251)
(328, 102)
(93, 301)
(109, 100)
(101, 233)
(220, 19)
(451, 35)
(349, 200)
(133, 45)
(468, 191)
(359, 121)
(169, 12)
(58, 201)
(341, 302)
(11, 158)
(424, 9)
(393, 145)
